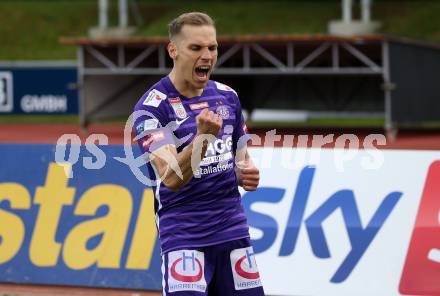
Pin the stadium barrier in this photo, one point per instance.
(323, 221)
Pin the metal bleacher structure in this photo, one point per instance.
(310, 75)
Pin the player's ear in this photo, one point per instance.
(172, 50)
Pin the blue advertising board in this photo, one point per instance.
(38, 89)
(92, 224)
(95, 228)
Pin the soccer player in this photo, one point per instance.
(194, 135)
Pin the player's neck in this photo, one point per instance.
(184, 87)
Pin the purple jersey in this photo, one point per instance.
(208, 209)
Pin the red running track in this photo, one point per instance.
(49, 134)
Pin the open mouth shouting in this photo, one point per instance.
(202, 73)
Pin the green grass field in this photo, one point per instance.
(30, 29)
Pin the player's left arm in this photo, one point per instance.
(248, 175)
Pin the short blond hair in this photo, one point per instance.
(190, 18)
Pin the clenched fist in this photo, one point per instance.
(208, 123)
(248, 175)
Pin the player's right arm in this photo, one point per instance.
(176, 169)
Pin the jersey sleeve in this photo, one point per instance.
(150, 128)
(240, 135)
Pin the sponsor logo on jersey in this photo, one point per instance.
(139, 128)
(186, 271)
(220, 167)
(218, 151)
(244, 269)
(152, 138)
(217, 158)
(222, 111)
(179, 122)
(151, 124)
(197, 106)
(146, 125)
(421, 273)
(178, 107)
(154, 98)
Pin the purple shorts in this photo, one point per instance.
(227, 269)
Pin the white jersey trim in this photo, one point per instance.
(224, 87)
